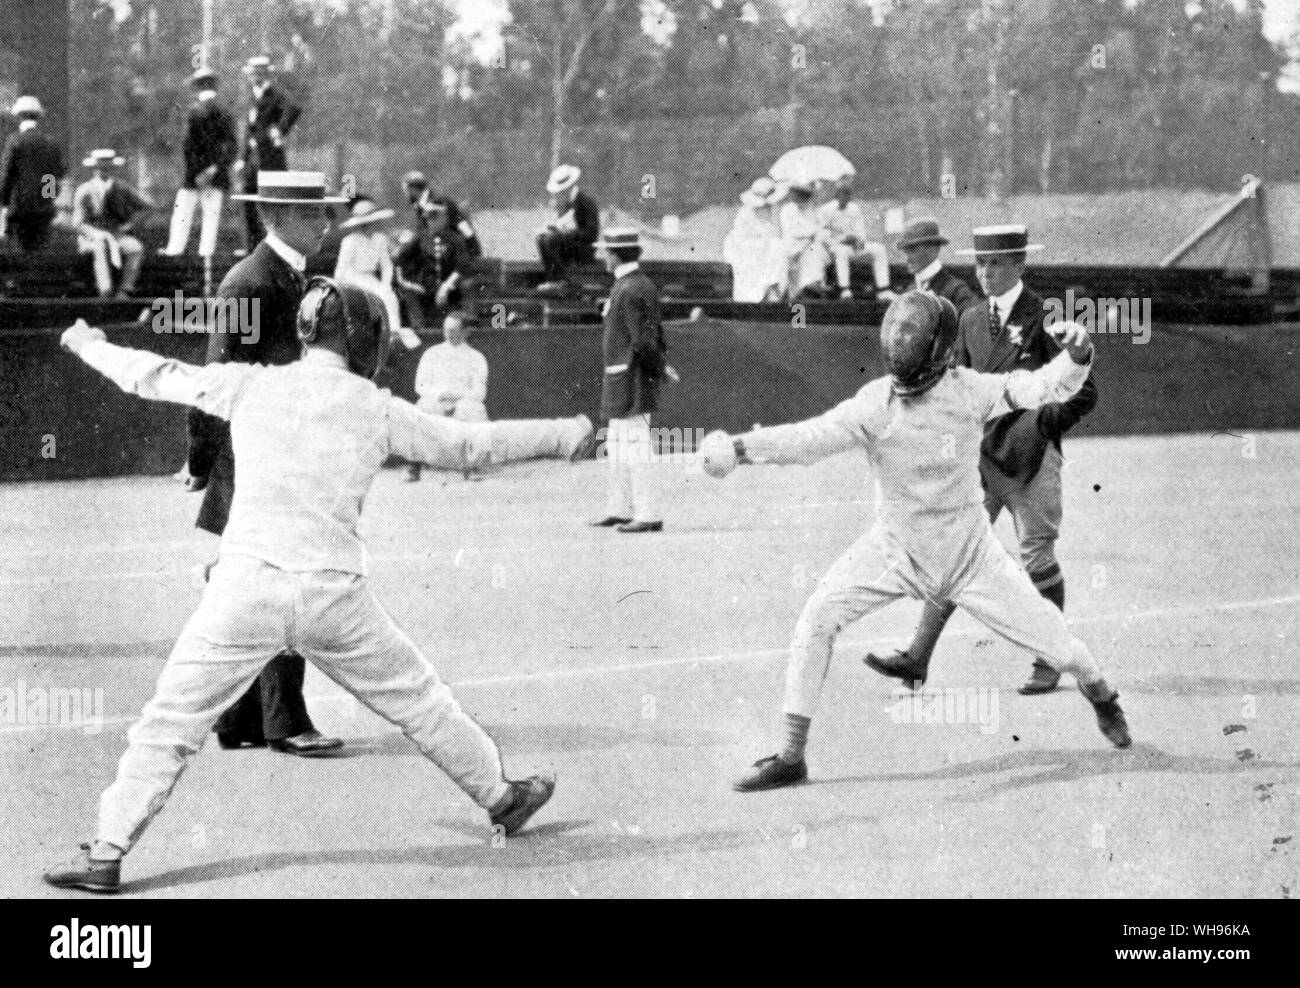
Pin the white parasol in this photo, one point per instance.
(810, 165)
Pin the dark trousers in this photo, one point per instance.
(32, 231)
(273, 708)
(558, 250)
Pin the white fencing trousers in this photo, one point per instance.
(866, 578)
(629, 447)
(209, 201)
(251, 612)
(879, 263)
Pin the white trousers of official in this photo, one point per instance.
(871, 575)
(629, 447)
(843, 254)
(251, 612)
(209, 201)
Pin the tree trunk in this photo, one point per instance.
(557, 97)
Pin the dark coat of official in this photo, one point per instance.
(210, 139)
(272, 109)
(947, 285)
(586, 218)
(634, 346)
(28, 158)
(1014, 443)
(277, 288)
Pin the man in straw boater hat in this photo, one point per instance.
(209, 150)
(310, 437)
(1020, 457)
(921, 243)
(932, 539)
(571, 237)
(267, 286)
(31, 168)
(633, 349)
(271, 115)
(104, 212)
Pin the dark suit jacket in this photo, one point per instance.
(633, 337)
(28, 157)
(586, 216)
(947, 285)
(209, 140)
(121, 204)
(265, 277)
(274, 109)
(1014, 443)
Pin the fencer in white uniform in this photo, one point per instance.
(309, 437)
(921, 428)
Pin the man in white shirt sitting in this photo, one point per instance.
(451, 380)
(845, 230)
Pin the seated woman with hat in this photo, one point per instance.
(365, 259)
(754, 248)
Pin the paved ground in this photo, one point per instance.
(647, 672)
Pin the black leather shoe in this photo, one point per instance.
(1043, 679)
(610, 522)
(642, 526)
(232, 741)
(1110, 718)
(308, 744)
(84, 872)
(528, 796)
(900, 665)
(771, 773)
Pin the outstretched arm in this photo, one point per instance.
(215, 388)
(838, 431)
(443, 442)
(1057, 380)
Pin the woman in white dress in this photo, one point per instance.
(365, 259)
(753, 248)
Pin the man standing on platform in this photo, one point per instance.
(31, 168)
(271, 116)
(634, 355)
(210, 147)
(292, 206)
(920, 244)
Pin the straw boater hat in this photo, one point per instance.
(291, 189)
(365, 213)
(103, 158)
(621, 238)
(921, 230)
(28, 104)
(204, 79)
(258, 63)
(1009, 238)
(563, 178)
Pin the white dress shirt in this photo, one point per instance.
(290, 256)
(1006, 301)
(840, 223)
(309, 438)
(927, 273)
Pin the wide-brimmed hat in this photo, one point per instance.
(620, 238)
(258, 63)
(921, 230)
(563, 178)
(365, 213)
(1009, 238)
(28, 104)
(203, 79)
(103, 158)
(291, 189)
(761, 193)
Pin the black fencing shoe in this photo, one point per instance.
(84, 872)
(530, 795)
(771, 773)
(1110, 718)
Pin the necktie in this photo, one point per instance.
(995, 318)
